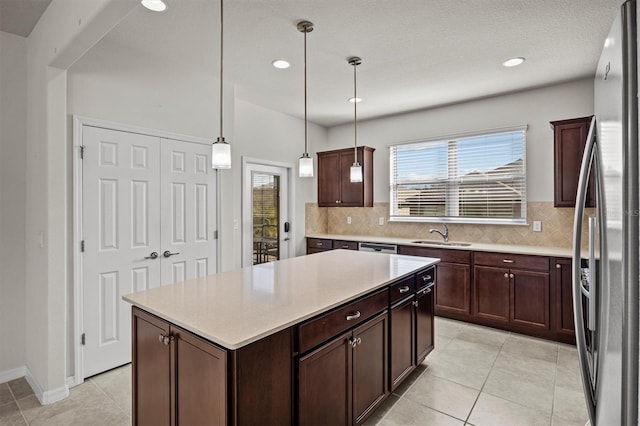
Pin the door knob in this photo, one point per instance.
(153, 255)
(167, 253)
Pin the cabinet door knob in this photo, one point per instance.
(506, 275)
(510, 275)
(353, 316)
(415, 303)
(358, 341)
(352, 342)
(558, 266)
(165, 338)
(404, 289)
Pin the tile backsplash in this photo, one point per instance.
(557, 226)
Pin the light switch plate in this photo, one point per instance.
(348, 220)
(537, 226)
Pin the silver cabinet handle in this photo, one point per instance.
(426, 278)
(558, 266)
(506, 275)
(319, 244)
(507, 261)
(167, 253)
(356, 315)
(415, 303)
(153, 255)
(166, 338)
(345, 247)
(358, 341)
(510, 275)
(352, 342)
(404, 289)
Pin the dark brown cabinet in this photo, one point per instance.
(317, 245)
(344, 380)
(335, 188)
(512, 289)
(402, 332)
(570, 137)
(178, 378)
(411, 324)
(453, 289)
(563, 300)
(182, 379)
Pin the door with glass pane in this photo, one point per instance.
(265, 214)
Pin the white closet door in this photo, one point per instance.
(188, 211)
(121, 229)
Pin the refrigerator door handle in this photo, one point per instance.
(581, 344)
(591, 321)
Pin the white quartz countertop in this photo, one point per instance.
(239, 307)
(498, 248)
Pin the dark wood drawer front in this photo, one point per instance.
(402, 289)
(519, 261)
(346, 245)
(451, 256)
(319, 243)
(327, 326)
(426, 277)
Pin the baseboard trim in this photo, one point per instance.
(45, 397)
(14, 373)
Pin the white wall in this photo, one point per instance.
(64, 32)
(268, 135)
(13, 140)
(533, 107)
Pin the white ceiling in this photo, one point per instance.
(20, 16)
(416, 53)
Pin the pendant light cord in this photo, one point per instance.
(305, 94)
(221, 63)
(355, 116)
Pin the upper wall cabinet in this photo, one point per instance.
(570, 137)
(335, 188)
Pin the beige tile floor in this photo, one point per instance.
(476, 375)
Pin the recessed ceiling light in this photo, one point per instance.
(352, 99)
(155, 5)
(513, 62)
(281, 64)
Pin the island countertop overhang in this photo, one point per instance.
(239, 307)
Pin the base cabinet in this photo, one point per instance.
(563, 300)
(425, 306)
(516, 294)
(344, 380)
(402, 331)
(182, 379)
(178, 377)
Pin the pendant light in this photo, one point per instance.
(356, 170)
(305, 163)
(221, 150)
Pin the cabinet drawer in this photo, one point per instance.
(425, 278)
(445, 255)
(324, 327)
(347, 245)
(402, 289)
(319, 243)
(506, 260)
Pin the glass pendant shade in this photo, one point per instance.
(305, 166)
(356, 172)
(220, 155)
(155, 5)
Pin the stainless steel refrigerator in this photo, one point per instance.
(606, 244)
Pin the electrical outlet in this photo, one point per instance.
(348, 220)
(381, 221)
(537, 226)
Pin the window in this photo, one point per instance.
(477, 178)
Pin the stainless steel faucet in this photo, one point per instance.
(445, 233)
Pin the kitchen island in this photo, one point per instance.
(313, 339)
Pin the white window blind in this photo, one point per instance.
(479, 178)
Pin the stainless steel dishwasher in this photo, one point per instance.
(378, 247)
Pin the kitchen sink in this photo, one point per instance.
(441, 243)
